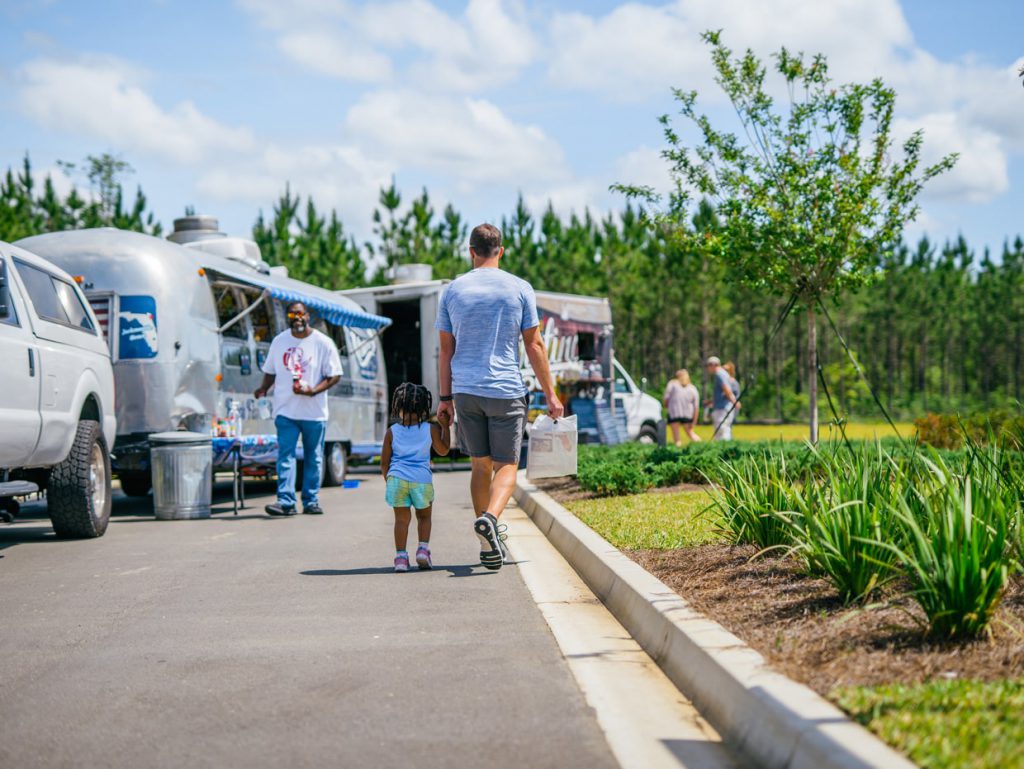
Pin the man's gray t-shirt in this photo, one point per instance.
(486, 310)
(719, 386)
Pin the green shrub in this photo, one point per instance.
(757, 504)
(847, 520)
(956, 550)
(951, 431)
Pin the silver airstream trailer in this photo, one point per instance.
(189, 321)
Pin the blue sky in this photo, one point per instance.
(219, 104)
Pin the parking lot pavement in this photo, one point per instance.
(249, 641)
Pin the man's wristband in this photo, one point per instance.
(445, 398)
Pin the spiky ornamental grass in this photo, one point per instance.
(847, 520)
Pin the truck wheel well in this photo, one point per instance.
(91, 409)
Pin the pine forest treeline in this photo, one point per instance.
(940, 329)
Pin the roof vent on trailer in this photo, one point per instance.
(409, 273)
(203, 234)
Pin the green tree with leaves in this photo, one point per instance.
(807, 196)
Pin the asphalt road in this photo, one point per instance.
(256, 642)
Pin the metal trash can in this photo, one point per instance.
(182, 465)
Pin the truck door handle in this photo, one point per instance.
(31, 362)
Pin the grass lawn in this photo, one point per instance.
(962, 724)
(652, 521)
(798, 432)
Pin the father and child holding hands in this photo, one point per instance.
(481, 317)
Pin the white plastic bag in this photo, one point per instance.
(552, 451)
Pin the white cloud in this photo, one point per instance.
(487, 45)
(980, 173)
(645, 167)
(639, 49)
(336, 56)
(470, 140)
(334, 176)
(102, 98)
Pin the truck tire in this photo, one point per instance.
(136, 484)
(335, 464)
(79, 489)
(648, 434)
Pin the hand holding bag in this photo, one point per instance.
(552, 451)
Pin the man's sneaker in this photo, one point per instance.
(486, 528)
(402, 562)
(277, 509)
(423, 558)
(313, 509)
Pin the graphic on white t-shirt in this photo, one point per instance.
(314, 358)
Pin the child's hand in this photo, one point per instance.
(444, 418)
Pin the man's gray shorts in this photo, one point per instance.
(491, 427)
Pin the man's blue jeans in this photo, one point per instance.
(288, 432)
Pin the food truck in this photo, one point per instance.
(189, 321)
(578, 333)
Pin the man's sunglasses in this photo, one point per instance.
(296, 315)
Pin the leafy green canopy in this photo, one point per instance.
(807, 197)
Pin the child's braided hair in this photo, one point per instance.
(412, 400)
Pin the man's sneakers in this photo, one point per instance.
(492, 547)
(279, 510)
(402, 561)
(423, 558)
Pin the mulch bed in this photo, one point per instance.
(800, 627)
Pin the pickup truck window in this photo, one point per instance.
(10, 316)
(54, 299)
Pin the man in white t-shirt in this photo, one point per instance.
(301, 366)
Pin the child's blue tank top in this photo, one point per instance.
(410, 453)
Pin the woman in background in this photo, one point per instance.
(683, 403)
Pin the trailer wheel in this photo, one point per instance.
(136, 484)
(79, 489)
(648, 434)
(335, 464)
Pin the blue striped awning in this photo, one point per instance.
(325, 303)
(330, 311)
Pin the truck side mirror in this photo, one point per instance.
(5, 293)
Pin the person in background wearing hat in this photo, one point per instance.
(723, 402)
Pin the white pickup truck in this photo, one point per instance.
(57, 404)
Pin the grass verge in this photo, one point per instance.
(798, 432)
(945, 724)
(652, 521)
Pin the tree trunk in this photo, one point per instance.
(812, 368)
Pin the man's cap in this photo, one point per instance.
(714, 360)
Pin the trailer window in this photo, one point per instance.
(228, 307)
(337, 335)
(262, 318)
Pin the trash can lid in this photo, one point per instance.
(180, 437)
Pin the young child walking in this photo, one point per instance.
(405, 464)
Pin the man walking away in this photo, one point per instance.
(723, 402)
(480, 320)
(301, 366)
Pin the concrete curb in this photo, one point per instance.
(772, 721)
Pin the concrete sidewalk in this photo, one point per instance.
(262, 642)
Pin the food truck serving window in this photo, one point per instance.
(228, 307)
(264, 327)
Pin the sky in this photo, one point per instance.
(219, 105)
